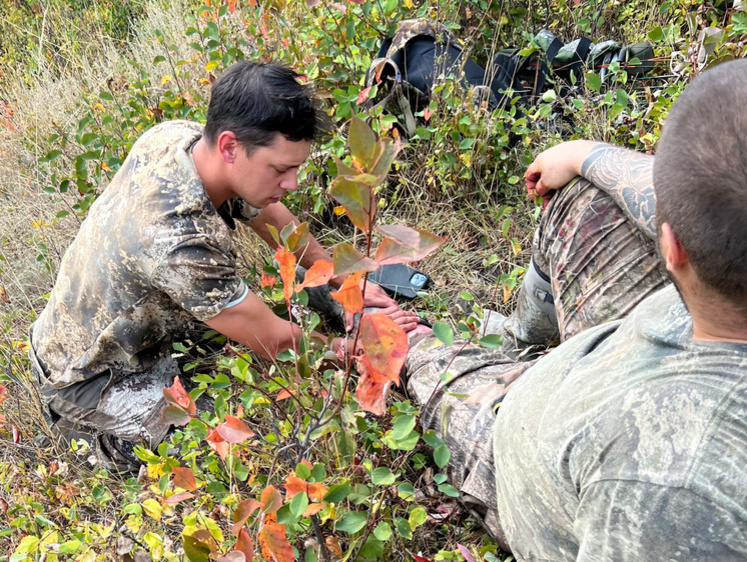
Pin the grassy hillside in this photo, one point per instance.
(79, 82)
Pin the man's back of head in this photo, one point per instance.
(257, 101)
(700, 179)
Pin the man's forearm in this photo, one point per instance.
(627, 177)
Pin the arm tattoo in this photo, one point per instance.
(627, 177)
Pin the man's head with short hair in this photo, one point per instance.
(700, 179)
(257, 101)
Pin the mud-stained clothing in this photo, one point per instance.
(152, 255)
(601, 268)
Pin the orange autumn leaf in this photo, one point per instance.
(245, 545)
(243, 511)
(271, 500)
(234, 430)
(274, 542)
(350, 295)
(316, 491)
(3, 393)
(218, 444)
(294, 485)
(287, 263)
(267, 280)
(313, 509)
(318, 274)
(372, 391)
(283, 394)
(384, 346)
(180, 497)
(184, 478)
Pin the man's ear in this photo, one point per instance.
(228, 145)
(672, 251)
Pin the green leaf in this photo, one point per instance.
(441, 456)
(492, 341)
(299, 503)
(351, 522)
(373, 549)
(418, 516)
(362, 142)
(403, 426)
(443, 332)
(303, 471)
(593, 81)
(195, 550)
(338, 492)
(383, 531)
(449, 490)
(403, 527)
(382, 476)
(357, 199)
(347, 259)
(70, 547)
(406, 491)
(432, 439)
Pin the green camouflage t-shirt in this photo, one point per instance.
(152, 254)
(628, 442)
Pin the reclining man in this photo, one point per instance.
(155, 253)
(629, 440)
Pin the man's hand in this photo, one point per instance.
(554, 168)
(376, 296)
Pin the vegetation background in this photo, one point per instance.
(81, 80)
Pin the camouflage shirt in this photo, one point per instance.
(628, 442)
(152, 254)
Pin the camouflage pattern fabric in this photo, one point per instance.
(586, 458)
(409, 29)
(152, 255)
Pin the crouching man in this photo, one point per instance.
(629, 440)
(155, 253)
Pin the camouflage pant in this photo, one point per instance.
(600, 266)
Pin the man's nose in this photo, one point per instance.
(289, 182)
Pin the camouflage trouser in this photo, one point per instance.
(600, 267)
(106, 413)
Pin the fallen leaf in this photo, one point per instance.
(180, 497)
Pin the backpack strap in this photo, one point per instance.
(386, 71)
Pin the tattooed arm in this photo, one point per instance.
(625, 175)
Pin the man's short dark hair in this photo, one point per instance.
(257, 101)
(700, 178)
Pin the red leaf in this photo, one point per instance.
(177, 396)
(245, 545)
(184, 478)
(403, 244)
(358, 200)
(283, 394)
(317, 275)
(316, 491)
(287, 263)
(427, 112)
(271, 500)
(347, 259)
(372, 390)
(350, 295)
(363, 96)
(384, 346)
(218, 444)
(268, 280)
(3, 393)
(243, 512)
(16, 435)
(234, 430)
(421, 559)
(180, 497)
(274, 543)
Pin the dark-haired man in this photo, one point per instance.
(629, 440)
(155, 253)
